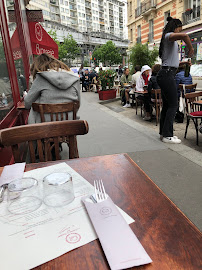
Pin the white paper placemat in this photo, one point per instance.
(47, 233)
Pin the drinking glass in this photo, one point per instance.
(58, 189)
(23, 196)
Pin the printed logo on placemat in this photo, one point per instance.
(73, 238)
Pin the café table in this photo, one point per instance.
(198, 103)
(168, 236)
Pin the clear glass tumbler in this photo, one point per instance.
(23, 196)
(58, 189)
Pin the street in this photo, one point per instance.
(176, 169)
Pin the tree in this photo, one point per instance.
(68, 49)
(107, 53)
(142, 55)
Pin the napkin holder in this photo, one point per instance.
(121, 246)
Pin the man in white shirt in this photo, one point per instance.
(136, 75)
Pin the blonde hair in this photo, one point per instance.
(45, 62)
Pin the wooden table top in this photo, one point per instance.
(168, 236)
(198, 102)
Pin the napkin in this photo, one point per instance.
(121, 246)
(12, 172)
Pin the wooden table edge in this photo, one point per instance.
(166, 197)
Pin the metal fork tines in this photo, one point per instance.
(100, 193)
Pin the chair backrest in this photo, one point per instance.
(189, 100)
(58, 111)
(190, 87)
(157, 93)
(43, 137)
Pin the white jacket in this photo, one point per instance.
(140, 81)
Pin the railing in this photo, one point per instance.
(145, 6)
(191, 15)
(151, 37)
(148, 4)
(138, 40)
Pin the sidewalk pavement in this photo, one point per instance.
(176, 169)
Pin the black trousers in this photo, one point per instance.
(166, 81)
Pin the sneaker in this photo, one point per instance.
(127, 105)
(147, 118)
(171, 140)
(161, 137)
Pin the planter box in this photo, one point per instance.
(108, 94)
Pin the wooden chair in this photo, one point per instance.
(58, 112)
(192, 112)
(157, 103)
(188, 88)
(41, 136)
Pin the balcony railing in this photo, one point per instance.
(146, 7)
(151, 37)
(138, 40)
(191, 15)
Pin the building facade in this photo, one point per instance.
(105, 16)
(146, 20)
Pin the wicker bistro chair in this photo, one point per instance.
(58, 112)
(192, 112)
(41, 136)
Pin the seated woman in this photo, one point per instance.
(141, 84)
(180, 77)
(54, 82)
(152, 84)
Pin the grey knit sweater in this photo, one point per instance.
(52, 87)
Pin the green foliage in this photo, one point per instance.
(68, 49)
(85, 63)
(107, 53)
(141, 55)
(106, 78)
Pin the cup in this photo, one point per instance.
(23, 196)
(58, 189)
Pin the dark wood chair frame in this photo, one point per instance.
(41, 136)
(191, 107)
(157, 104)
(58, 112)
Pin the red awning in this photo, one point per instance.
(41, 42)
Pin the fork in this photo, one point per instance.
(100, 193)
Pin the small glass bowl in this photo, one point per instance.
(23, 196)
(58, 189)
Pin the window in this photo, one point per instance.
(130, 8)
(139, 34)
(131, 35)
(6, 99)
(151, 31)
(166, 15)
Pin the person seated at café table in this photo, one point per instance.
(53, 82)
(141, 86)
(86, 81)
(136, 75)
(126, 80)
(180, 78)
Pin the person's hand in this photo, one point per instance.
(191, 52)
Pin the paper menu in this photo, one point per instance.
(47, 233)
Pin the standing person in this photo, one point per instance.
(81, 74)
(126, 79)
(168, 52)
(120, 72)
(54, 82)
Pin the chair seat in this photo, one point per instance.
(196, 114)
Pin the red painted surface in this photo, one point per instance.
(108, 94)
